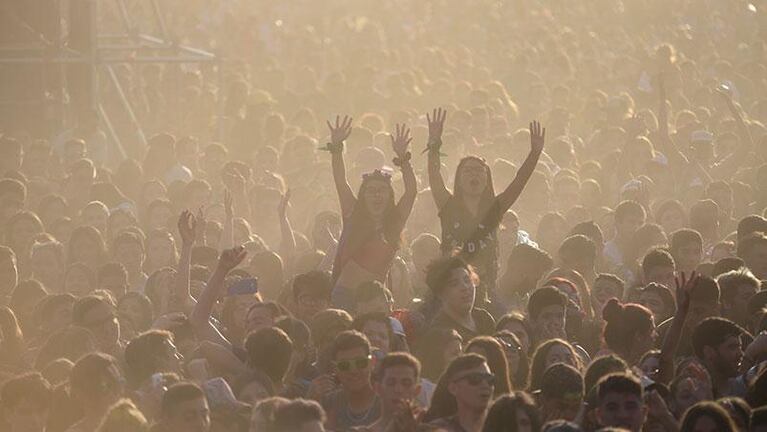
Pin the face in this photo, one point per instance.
(376, 196)
(689, 256)
(378, 334)
(727, 356)
(379, 304)
(653, 301)
(95, 217)
(689, 392)
(672, 220)
(353, 368)
(159, 252)
(242, 304)
(663, 275)
(116, 284)
(602, 292)
(473, 388)
(756, 261)
(459, 292)
(524, 424)
(560, 354)
(551, 322)
(520, 332)
(103, 323)
(473, 177)
(622, 410)
(628, 226)
(258, 318)
(190, 416)
(398, 386)
(738, 308)
(26, 416)
(309, 305)
(77, 283)
(130, 255)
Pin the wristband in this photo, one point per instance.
(400, 161)
(434, 146)
(333, 148)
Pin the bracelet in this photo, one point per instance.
(400, 161)
(433, 146)
(333, 148)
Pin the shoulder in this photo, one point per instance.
(483, 319)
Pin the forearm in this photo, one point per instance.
(436, 182)
(213, 290)
(405, 205)
(512, 192)
(287, 241)
(345, 195)
(181, 290)
(668, 350)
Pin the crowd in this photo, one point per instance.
(401, 216)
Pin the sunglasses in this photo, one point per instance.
(478, 378)
(352, 364)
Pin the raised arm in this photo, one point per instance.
(436, 182)
(733, 162)
(187, 227)
(227, 236)
(675, 157)
(338, 134)
(400, 143)
(287, 237)
(670, 344)
(512, 192)
(200, 317)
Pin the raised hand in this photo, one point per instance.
(187, 227)
(341, 131)
(537, 137)
(436, 124)
(228, 204)
(400, 140)
(683, 288)
(282, 207)
(201, 222)
(231, 258)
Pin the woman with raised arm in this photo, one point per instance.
(372, 222)
(471, 214)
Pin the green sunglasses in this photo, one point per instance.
(352, 364)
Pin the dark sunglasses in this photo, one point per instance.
(352, 364)
(478, 378)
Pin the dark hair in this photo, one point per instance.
(369, 290)
(439, 272)
(347, 340)
(85, 305)
(30, 386)
(560, 380)
(315, 283)
(749, 242)
(591, 230)
(395, 359)
(325, 325)
(502, 415)
(88, 378)
(665, 295)
(711, 410)
(759, 417)
(730, 282)
(141, 355)
(705, 291)
(496, 361)
(290, 416)
(602, 366)
(727, 264)
(713, 332)
(543, 297)
(682, 237)
(514, 317)
(538, 364)
(269, 350)
(110, 269)
(623, 322)
(622, 383)
(379, 317)
(71, 343)
(749, 225)
(657, 258)
(577, 248)
(430, 350)
(510, 341)
(146, 310)
(627, 209)
(488, 195)
(297, 330)
(443, 403)
(737, 407)
(177, 394)
(536, 263)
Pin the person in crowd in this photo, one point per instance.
(184, 407)
(561, 392)
(629, 330)
(516, 411)
(621, 402)
(396, 382)
(716, 342)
